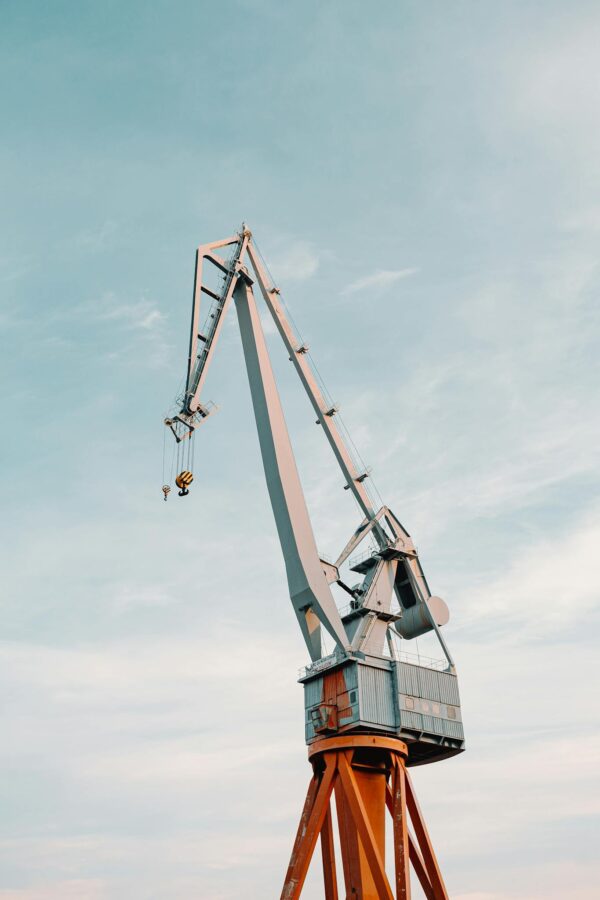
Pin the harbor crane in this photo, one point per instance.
(372, 709)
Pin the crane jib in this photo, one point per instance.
(391, 603)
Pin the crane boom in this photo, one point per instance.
(310, 593)
(325, 413)
(370, 708)
(198, 361)
(393, 599)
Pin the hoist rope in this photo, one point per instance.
(173, 449)
(357, 459)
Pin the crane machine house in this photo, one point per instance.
(369, 683)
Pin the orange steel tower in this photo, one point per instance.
(372, 710)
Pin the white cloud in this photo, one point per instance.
(140, 596)
(547, 883)
(71, 889)
(481, 895)
(266, 320)
(378, 281)
(491, 427)
(151, 319)
(157, 765)
(140, 321)
(176, 730)
(559, 83)
(296, 261)
(552, 583)
(143, 314)
(14, 267)
(96, 239)
(582, 220)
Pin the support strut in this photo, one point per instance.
(366, 773)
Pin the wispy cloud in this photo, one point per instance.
(142, 314)
(95, 239)
(71, 889)
(139, 321)
(544, 584)
(145, 758)
(268, 325)
(13, 268)
(556, 88)
(298, 261)
(378, 281)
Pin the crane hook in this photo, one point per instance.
(183, 481)
(166, 491)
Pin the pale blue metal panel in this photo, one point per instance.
(429, 686)
(408, 679)
(351, 677)
(454, 729)
(377, 701)
(412, 720)
(313, 691)
(449, 688)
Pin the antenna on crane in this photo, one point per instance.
(371, 709)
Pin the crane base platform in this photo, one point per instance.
(367, 774)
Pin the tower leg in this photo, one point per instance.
(369, 778)
(401, 833)
(422, 835)
(367, 773)
(328, 854)
(316, 808)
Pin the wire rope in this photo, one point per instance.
(343, 430)
(173, 450)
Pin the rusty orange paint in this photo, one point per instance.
(364, 797)
(334, 684)
(366, 773)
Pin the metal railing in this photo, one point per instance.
(425, 662)
(361, 557)
(413, 659)
(320, 665)
(349, 608)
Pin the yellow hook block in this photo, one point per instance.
(183, 481)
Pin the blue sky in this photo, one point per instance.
(423, 179)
